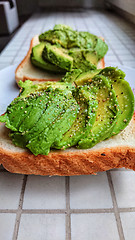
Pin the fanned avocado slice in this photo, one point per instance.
(91, 56)
(71, 76)
(36, 111)
(86, 77)
(62, 124)
(107, 112)
(124, 96)
(80, 60)
(101, 48)
(16, 112)
(58, 56)
(84, 121)
(54, 107)
(56, 36)
(38, 61)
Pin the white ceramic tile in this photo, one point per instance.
(10, 188)
(127, 58)
(3, 65)
(45, 193)
(90, 192)
(111, 58)
(129, 63)
(94, 226)
(128, 224)
(6, 60)
(42, 227)
(7, 222)
(124, 186)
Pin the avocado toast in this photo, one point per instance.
(62, 49)
(87, 122)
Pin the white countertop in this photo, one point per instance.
(80, 207)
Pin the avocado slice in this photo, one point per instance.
(107, 112)
(71, 76)
(28, 88)
(101, 48)
(79, 60)
(56, 36)
(36, 111)
(16, 112)
(38, 61)
(51, 111)
(91, 56)
(58, 56)
(124, 96)
(86, 77)
(45, 140)
(84, 121)
(62, 27)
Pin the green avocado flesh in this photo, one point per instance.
(63, 49)
(58, 56)
(38, 61)
(81, 110)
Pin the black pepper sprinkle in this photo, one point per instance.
(103, 154)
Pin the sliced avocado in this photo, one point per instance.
(62, 27)
(101, 48)
(35, 112)
(51, 111)
(90, 40)
(38, 61)
(86, 77)
(84, 121)
(79, 61)
(16, 112)
(124, 96)
(58, 56)
(91, 56)
(56, 36)
(28, 88)
(107, 112)
(62, 124)
(71, 76)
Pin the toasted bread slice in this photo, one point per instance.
(116, 152)
(26, 70)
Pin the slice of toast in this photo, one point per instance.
(26, 70)
(116, 152)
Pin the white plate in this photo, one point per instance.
(9, 89)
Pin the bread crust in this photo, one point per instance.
(69, 163)
(101, 64)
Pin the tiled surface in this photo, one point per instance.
(128, 223)
(42, 227)
(124, 186)
(94, 188)
(7, 222)
(70, 208)
(94, 226)
(36, 189)
(10, 186)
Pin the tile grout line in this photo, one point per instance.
(68, 217)
(71, 211)
(115, 206)
(19, 211)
